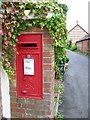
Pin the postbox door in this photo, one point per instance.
(29, 76)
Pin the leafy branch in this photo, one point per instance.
(45, 15)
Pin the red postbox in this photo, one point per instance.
(29, 66)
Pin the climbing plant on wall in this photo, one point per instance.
(43, 14)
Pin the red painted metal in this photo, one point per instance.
(29, 85)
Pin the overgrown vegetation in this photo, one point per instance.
(82, 53)
(58, 74)
(15, 21)
(59, 88)
(73, 47)
(60, 116)
(69, 43)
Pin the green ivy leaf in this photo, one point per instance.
(14, 37)
(15, 23)
(28, 25)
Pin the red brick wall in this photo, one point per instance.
(33, 108)
(85, 46)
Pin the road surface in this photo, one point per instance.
(75, 97)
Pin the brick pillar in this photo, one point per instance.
(34, 108)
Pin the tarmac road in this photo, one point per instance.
(75, 97)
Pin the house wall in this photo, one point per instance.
(5, 94)
(83, 46)
(76, 34)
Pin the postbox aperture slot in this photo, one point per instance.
(28, 45)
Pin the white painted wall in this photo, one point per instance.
(76, 34)
(5, 93)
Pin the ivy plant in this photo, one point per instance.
(15, 21)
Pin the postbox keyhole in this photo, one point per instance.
(24, 91)
(28, 55)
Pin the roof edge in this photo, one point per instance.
(86, 37)
(80, 27)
